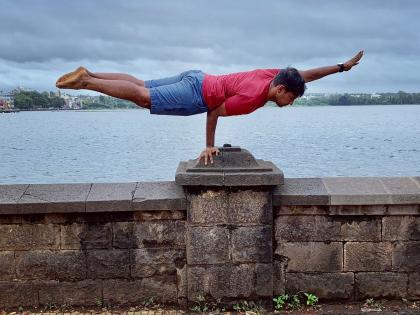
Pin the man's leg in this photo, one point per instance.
(116, 76)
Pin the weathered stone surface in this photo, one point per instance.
(9, 196)
(250, 207)
(122, 235)
(367, 256)
(29, 236)
(358, 210)
(279, 279)
(50, 265)
(159, 196)
(305, 210)
(356, 191)
(11, 219)
(301, 191)
(48, 198)
(209, 207)
(207, 245)
(381, 285)
(306, 228)
(108, 263)
(402, 189)
(16, 294)
(401, 228)
(81, 293)
(414, 285)
(361, 229)
(182, 282)
(147, 262)
(251, 244)
(110, 197)
(406, 256)
(7, 265)
(327, 286)
(264, 279)
(220, 281)
(120, 292)
(402, 210)
(86, 236)
(160, 215)
(155, 234)
(312, 256)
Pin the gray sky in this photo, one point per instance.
(40, 40)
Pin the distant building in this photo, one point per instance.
(6, 100)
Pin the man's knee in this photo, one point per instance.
(143, 97)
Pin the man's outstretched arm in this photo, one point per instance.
(318, 73)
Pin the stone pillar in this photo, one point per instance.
(229, 232)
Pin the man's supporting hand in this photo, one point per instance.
(207, 154)
(353, 61)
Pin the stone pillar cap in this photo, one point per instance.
(234, 166)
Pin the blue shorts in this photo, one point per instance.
(179, 95)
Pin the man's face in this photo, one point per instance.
(284, 97)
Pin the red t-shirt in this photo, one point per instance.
(242, 92)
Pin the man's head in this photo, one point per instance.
(287, 85)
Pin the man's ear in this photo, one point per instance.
(280, 88)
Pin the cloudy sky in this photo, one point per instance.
(40, 40)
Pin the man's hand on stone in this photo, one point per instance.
(207, 154)
(353, 61)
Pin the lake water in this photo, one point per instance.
(132, 145)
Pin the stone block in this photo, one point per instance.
(306, 228)
(301, 191)
(54, 198)
(381, 285)
(356, 191)
(402, 210)
(401, 228)
(406, 256)
(50, 265)
(14, 294)
(159, 196)
(353, 210)
(249, 207)
(312, 256)
(209, 207)
(10, 219)
(327, 286)
(251, 244)
(414, 285)
(361, 229)
(7, 265)
(86, 236)
(81, 293)
(303, 210)
(9, 197)
(122, 235)
(110, 197)
(403, 190)
(207, 245)
(182, 283)
(222, 281)
(367, 256)
(156, 215)
(108, 263)
(123, 292)
(264, 277)
(29, 236)
(158, 234)
(147, 262)
(279, 279)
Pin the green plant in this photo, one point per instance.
(150, 303)
(99, 302)
(280, 301)
(203, 307)
(245, 306)
(49, 306)
(311, 299)
(372, 303)
(294, 304)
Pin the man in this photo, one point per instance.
(193, 92)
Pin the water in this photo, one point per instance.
(132, 145)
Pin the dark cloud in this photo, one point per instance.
(41, 39)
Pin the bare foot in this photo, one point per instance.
(73, 80)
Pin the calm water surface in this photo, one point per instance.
(132, 145)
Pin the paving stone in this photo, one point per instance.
(107, 264)
(158, 234)
(414, 285)
(50, 265)
(14, 294)
(301, 191)
(312, 256)
(381, 285)
(249, 207)
(7, 265)
(361, 229)
(251, 244)
(147, 262)
(207, 245)
(9, 196)
(29, 236)
(367, 256)
(57, 198)
(402, 189)
(326, 286)
(208, 207)
(306, 228)
(401, 228)
(159, 196)
(356, 191)
(110, 197)
(86, 236)
(406, 256)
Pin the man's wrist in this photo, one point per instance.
(340, 67)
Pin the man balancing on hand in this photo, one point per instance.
(194, 92)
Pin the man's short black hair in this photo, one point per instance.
(292, 80)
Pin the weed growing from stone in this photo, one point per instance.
(293, 302)
(311, 299)
(371, 303)
(280, 301)
(203, 307)
(245, 306)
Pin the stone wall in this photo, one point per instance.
(91, 244)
